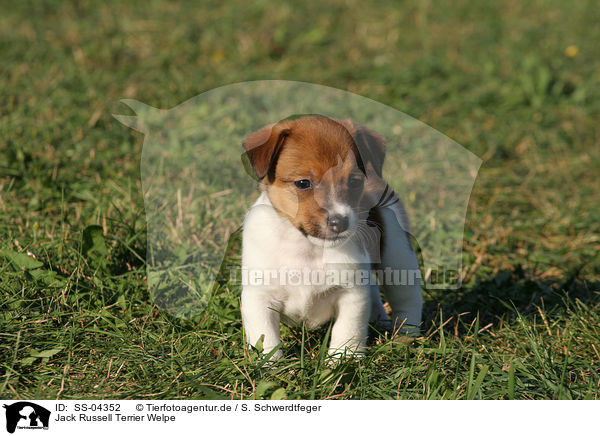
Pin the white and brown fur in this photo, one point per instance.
(291, 228)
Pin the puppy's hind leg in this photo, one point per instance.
(402, 286)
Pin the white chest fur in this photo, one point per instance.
(303, 279)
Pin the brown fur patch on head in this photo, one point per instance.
(322, 151)
(263, 148)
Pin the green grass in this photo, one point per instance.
(79, 321)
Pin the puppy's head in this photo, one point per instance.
(314, 170)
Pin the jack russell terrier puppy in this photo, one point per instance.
(325, 232)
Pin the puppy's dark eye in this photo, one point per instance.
(303, 184)
(355, 183)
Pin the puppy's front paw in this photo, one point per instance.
(268, 361)
(278, 354)
(337, 355)
(267, 351)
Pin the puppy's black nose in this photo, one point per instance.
(338, 223)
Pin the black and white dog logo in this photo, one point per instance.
(26, 415)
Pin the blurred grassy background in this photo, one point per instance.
(517, 83)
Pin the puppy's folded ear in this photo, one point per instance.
(262, 149)
(371, 145)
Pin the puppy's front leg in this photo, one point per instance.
(260, 316)
(350, 329)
